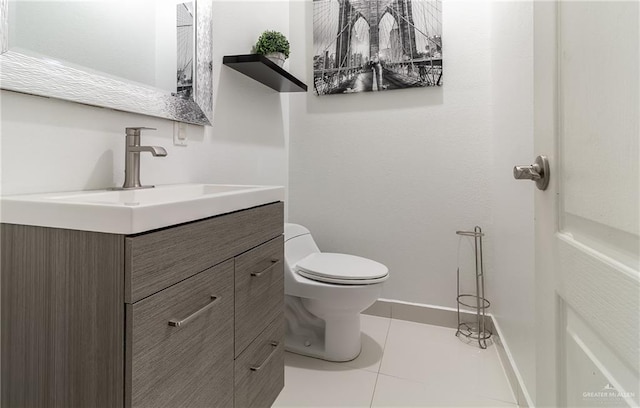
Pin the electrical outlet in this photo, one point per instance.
(180, 134)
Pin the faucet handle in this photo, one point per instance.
(135, 131)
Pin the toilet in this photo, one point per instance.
(324, 296)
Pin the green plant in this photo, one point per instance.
(272, 41)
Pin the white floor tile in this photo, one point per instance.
(310, 382)
(419, 365)
(398, 392)
(413, 350)
(433, 355)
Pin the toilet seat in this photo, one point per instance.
(342, 269)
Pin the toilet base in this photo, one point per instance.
(315, 350)
(334, 337)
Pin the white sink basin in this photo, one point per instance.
(133, 211)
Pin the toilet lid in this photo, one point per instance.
(342, 268)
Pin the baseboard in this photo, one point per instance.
(513, 374)
(421, 313)
(448, 317)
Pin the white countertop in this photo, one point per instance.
(133, 211)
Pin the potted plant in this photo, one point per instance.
(273, 45)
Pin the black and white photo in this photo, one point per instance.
(376, 45)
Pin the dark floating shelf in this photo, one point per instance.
(263, 70)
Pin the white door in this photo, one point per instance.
(587, 121)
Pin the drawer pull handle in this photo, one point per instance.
(274, 262)
(178, 323)
(275, 345)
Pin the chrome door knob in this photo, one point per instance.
(538, 172)
(527, 172)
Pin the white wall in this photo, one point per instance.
(51, 145)
(511, 273)
(393, 175)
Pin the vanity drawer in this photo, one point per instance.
(156, 260)
(179, 344)
(259, 290)
(259, 370)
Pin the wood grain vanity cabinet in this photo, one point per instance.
(186, 316)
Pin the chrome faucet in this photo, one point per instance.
(132, 158)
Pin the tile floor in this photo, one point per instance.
(402, 364)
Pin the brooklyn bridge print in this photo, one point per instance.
(376, 45)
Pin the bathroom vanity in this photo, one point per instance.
(185, 315)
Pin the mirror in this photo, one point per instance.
(152, 57)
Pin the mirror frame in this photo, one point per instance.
(49, 78)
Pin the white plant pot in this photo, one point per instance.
(277, 57)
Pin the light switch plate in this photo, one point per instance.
(180, 134)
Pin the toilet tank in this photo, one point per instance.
(298, 244)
